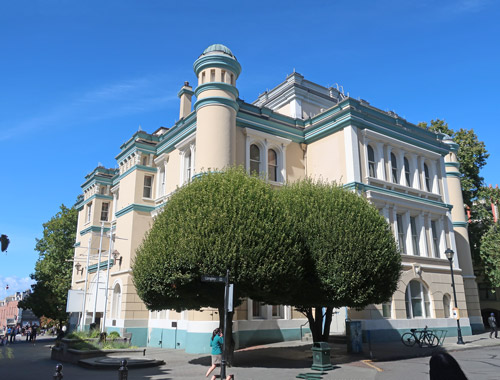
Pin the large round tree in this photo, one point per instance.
(225, 220)
(352, 258)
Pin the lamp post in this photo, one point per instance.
(449, 254)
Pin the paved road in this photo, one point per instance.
(24, 361)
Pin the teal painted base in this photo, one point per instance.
(139, 336)
(477, 328)
(199, 343)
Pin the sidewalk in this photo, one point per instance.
(285, 360)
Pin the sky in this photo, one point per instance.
(77, 79)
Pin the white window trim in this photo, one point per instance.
(188, 144)
(266, 141)
(161, 165)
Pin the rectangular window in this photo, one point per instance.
(386, 310)
(401, 234)
(414, 236)
(212, 75)
(257, 309)
(104, 212)
(148, 184)
(89, 211)
(223, 76)
(277, 311)
(435, 239)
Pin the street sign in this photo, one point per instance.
(230, 298)
(213, 279)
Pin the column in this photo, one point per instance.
(388, 164)
(422, 235)
(381, 173)
(408, 235)
(416, 171)
(401, 167)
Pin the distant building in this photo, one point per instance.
(295, 130)
(11, 314)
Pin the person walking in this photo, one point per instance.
(492, 321)
(28, 333)
(216, 343)
(33, 332)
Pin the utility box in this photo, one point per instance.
(354, 337)
(321, 357)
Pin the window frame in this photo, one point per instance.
(148, 187)
(394, 168)
(372, 165)
(415, 236)
(401, 234)
(423, 297)
(407, 170)
(104, 211)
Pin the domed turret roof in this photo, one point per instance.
(218, 48)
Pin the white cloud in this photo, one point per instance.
(16, 284)
(104, 102)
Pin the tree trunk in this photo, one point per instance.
(328, 322)
(315, 323)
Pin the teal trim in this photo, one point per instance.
(217, 86)
(137, 167)
(216, 60)
(216, 100)
(185, 91)
(452, 164)
(460, 224)
(77, 244)
(134, 207)
(453, 174)
(139, 336)
(146, 168)
(93, 229)
(453, 146)
(364, 187)
(103, 265)
(95, 196)
(137, 147)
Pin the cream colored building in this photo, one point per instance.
(295, 130)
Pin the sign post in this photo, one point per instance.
(228, 307)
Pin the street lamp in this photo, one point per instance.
(79, 269)
(449, 254)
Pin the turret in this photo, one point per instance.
(217, 70)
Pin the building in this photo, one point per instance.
(295, 130)
(12, 315)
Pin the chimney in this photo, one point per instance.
(185, 95)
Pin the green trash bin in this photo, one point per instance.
(321, 357)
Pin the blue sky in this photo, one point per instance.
(78, 78)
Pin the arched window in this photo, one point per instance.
(371, 162)
(427, 178)
(272, 165)
(254, 159)
(418, 304)
(394, 165)
(117, 301)
(407, 172)
(447, 305)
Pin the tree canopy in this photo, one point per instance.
(52, 270)
(352, 255)
(220, 221)
(490, 255)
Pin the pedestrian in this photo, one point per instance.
(443, 366)
(33, 332)
(12, 335)
(493, 325)
(216, 343)
(28, 333)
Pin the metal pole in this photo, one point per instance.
(111, 247)
(224, 342)
(58, 375)
(84, 313)
(98, 267)
(459, 331)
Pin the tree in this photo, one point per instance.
(53, 270)
(352, 259)
(490, 255)
(224, 220)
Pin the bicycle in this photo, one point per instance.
(422, 337)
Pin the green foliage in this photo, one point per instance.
(352, 256)
(113, 335)
(52, 270)
(490, 255)
(225, 220)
